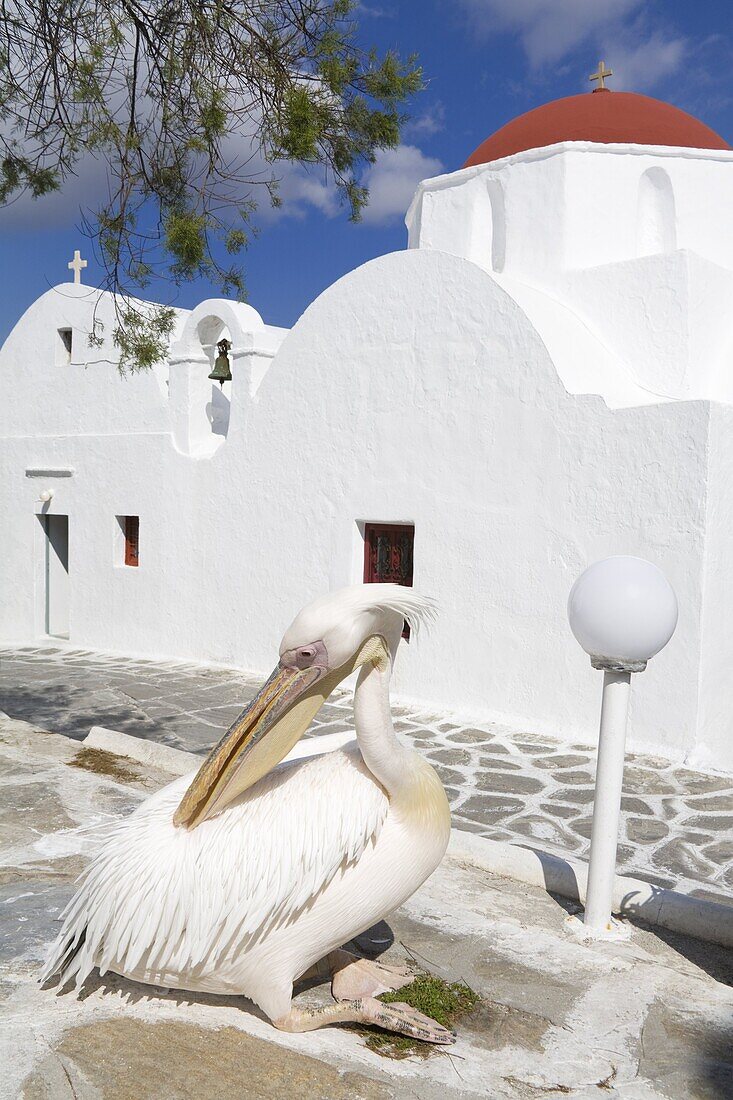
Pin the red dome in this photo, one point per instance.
(602, 116)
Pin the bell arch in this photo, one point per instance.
(215, 337)
(656, 221)
(202, 406)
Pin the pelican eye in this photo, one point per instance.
(305, 655)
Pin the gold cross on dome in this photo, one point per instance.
(601, 75)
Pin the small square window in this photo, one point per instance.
(388, 555)
(130, 540)
(63, 346)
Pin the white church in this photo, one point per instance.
(542, 378)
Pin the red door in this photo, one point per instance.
(132, 540)
(388, 552)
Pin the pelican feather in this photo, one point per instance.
(240, 877)
(232, 879)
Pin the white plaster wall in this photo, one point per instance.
(454, 419)
(602, 200)
(461, 213)
(117, 435)
(668, 318)
(576, 205)
(581, 225)
(83, 415)
(578, 346)
(46, 397)
(414, 390)
(714, 741)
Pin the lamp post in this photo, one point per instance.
(622, 611)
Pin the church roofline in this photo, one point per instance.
(545, 152)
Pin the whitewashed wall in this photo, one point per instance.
(425, 396)
(636, 241)
(413, 390)
(579, 204)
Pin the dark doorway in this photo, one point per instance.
(56, 575)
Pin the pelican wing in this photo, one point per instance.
(159, 900)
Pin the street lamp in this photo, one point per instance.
(622, 611)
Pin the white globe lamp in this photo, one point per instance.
(622, 611)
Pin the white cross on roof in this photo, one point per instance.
(76, 265)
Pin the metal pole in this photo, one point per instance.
(607, 802)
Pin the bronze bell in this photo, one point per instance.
(221, 372)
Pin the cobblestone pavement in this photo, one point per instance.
(677, 827)
(649, 1018)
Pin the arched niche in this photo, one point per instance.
(498, 225)
(486, 243)
(201, 407)
(656, 224)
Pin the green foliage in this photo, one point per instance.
(16, 173)
(446, 1003)
(185, 239)
(191, 107)
(236, 240)
(141, 334)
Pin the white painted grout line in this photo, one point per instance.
(632, 897)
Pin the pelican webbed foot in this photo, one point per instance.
(353, 977)
(400, 1018)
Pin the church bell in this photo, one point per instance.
(221, 372)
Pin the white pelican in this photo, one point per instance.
(243, 878)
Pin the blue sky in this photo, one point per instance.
(485, 61)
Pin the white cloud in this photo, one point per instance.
(373, 11)
(85, 192)
(80, 195)
(300, 190)
(431, 121)
(547, 29)
(640, 65)
(621, 31)
(392, 181)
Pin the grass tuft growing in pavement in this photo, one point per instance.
(445, 1002)
(102, 762)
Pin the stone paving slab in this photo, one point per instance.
(649, 1019)
(677, 824)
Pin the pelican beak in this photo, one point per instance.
(262, 736)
